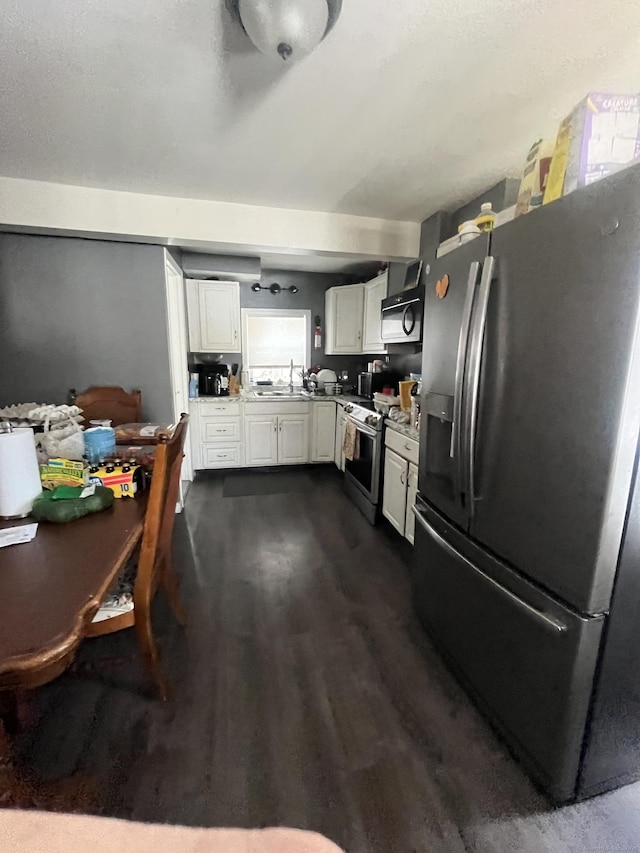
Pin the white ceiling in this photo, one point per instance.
(407, 107)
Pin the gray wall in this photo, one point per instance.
(82, 312)
(310, 297)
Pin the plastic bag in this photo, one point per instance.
(63, 439)
(47, 508)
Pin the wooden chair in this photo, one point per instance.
(110, 401)
(154, 561)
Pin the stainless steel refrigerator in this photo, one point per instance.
(527, 554)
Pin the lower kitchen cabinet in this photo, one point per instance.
(216, 434)
(323, 431)
(412, 491)
(394, 500)
(400, 482)
(272, 439)
(261, 439)
(293, 439)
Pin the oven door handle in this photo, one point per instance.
(362, 428)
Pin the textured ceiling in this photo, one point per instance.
(408, 106)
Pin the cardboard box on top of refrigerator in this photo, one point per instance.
(534, 176)
(600, 136)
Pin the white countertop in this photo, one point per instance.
(404, 429)
(251, 396)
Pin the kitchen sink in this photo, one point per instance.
(279, 395)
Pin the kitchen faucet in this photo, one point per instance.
(291, 377)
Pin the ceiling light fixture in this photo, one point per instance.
(274, 288)
(285, 29)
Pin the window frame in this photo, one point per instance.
(246, 313)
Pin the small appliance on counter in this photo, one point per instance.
(213, 380)
(369, 383)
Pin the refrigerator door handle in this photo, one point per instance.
(473, 372)
(545, 618)
(455, 451)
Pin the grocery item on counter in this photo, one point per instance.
(63, 472)
(600, 136)
(122, 476)
(486, 219)
(99, 442)
(405, 387)
(142, 455)
(48, 507)
(193, 386)
(143, 433)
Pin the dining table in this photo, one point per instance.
(52, 587)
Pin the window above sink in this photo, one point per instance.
(271, 338)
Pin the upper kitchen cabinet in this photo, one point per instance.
(374, 292)
(214, 315)
(344, 308)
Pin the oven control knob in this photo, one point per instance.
(348, 409)
(371, 420)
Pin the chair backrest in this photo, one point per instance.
(110, 401)
(155, 548)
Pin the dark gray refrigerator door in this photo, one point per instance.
(527, 660)
(447, 318)
(559, 390)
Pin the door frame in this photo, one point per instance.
(178, 363)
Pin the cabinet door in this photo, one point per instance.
(412, 491)
(323, 431)
(394, 500)
(261, 439)
(219, 310)
(374, 292)
(344, 311)
(293, 439)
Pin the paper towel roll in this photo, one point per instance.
(19, 473)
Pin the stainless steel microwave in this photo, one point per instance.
(402, 317)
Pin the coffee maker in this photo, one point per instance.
(213, 380)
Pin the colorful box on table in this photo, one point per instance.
(63, 472)
(600, 136)
(123, 480)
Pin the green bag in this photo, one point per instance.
(48, 507)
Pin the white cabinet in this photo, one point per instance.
(323, 431)
(344, 308)
(400, 481)
(412, 491)
(394, 501)
(276, 434)
(216, 434)
(374, 292)
(261, 439)
(214, 315)
(293, 439)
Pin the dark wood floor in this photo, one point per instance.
(307, 695)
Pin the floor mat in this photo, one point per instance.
(245, 483)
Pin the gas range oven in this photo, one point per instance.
(362, 473)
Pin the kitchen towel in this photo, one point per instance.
(351, 443)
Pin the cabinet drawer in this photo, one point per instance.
(407, 447)
(215, 429)
(214, 456)
(220, 408)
